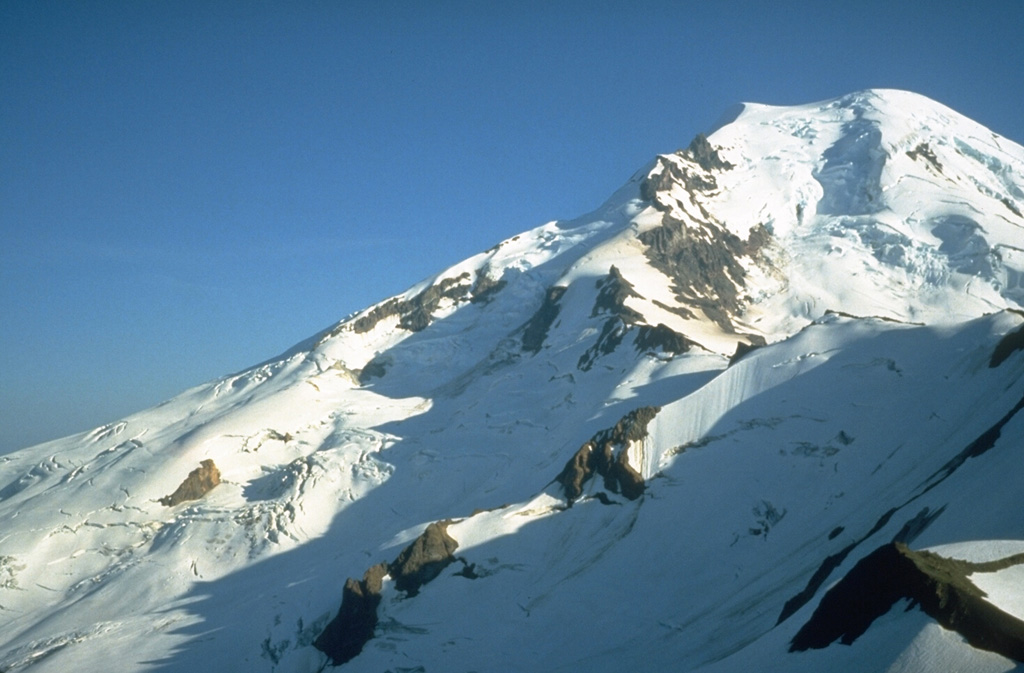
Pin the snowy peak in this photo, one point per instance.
(874, 194)
(871, 204)
(794, 342)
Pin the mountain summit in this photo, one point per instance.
(758, 411)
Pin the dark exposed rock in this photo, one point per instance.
(427, 301)
(767, 515)
(703, 263)
(939, 585)
(345, 636)
(376, 368)
(1007, 346)
(417, 564)
(418, 315)
(673, 174)
(577, 471)
(906, 534)
(742, 348)
(668, 173)
(661, 336)
(424, 559)
(379, 312)
(611, 336)
(613, 291)
(705, 155)
(842, 437)
(630, 482)
(632, 427)
(867, 592)
(415, 314)
(198, 483)
(485, 289)
(537, 328)
(659, 181)
(277, 436)
(757, 238)
(416, 320)
(926, 153)
(681, 311)
(597, 456)
(604, 461)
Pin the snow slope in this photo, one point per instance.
(658, 434)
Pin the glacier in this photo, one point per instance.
(657, 437)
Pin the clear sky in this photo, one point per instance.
(190, 188)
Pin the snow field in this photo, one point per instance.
(843, 433)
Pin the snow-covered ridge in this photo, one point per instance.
(696, 408)
(849, 205)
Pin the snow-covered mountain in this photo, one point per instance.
(758, 411)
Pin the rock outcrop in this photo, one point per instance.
(705, 155)
(939, 585)
(612, 292)
(704, 264)
(424, 559)
(536, 330)
(661, 336)
(354, 625)
(485, 289)
(606, 454)
(417, 313)
(198, 483)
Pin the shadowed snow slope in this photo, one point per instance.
(654, 437)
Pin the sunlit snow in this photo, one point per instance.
(891, 269)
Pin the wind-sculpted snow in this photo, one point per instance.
(657, 433)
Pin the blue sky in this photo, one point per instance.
(190, 188)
